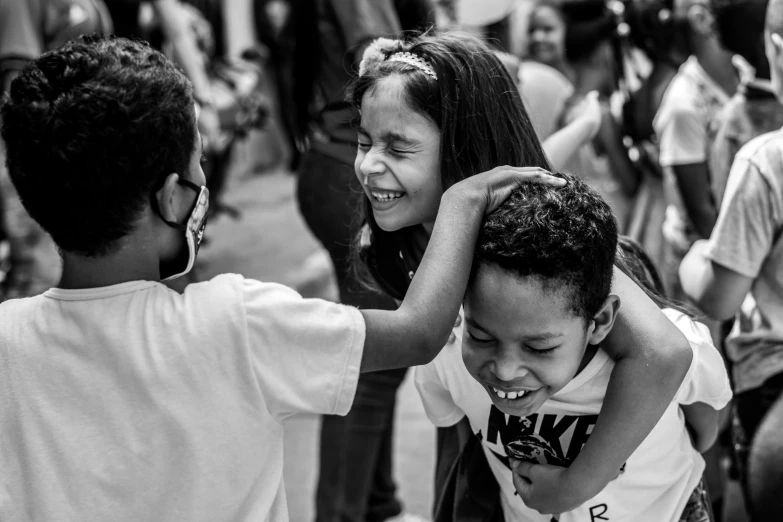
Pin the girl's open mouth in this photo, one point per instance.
(386, 195)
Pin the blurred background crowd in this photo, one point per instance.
(683, 85)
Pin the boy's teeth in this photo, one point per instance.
(510, 395)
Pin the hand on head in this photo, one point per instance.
(494, 186)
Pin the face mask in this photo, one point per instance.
(194, 232)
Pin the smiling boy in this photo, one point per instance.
(531, 376)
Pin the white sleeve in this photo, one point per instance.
(306, 352)
(707, 379)
(435, 396)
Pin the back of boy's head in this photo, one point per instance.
(565, 236)
(91, 128)
(474, 102)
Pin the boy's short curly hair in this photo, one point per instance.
(565, 236)
(91, 129)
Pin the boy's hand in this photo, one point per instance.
(491, 188)
(545, 488)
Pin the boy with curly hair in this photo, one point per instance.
(531, 375)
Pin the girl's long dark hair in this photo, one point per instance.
(483, 123)
(633, 260)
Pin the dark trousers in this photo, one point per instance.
(355, 482)
(750, 408)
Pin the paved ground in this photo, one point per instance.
(271, 243)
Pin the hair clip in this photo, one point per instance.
(416, 61)
(376, 53)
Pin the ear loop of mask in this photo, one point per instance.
(156, 208)
(195, 225)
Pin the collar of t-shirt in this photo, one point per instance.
(592, 369)
(102, 292)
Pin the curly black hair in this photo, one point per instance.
(91, 129)
(565, 236)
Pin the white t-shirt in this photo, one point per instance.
(133, 402)
(659, 476)
(747, 240)
(682, 126)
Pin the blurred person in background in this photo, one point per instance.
(754, 109)
(325, 42)
(27, 29)
(547, 36)
(738, 272)
(654, 33)
(701, 87)
(126, 16)
(592, 61)
(683, 125)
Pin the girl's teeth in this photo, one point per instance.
(387, 197)
(512, 395)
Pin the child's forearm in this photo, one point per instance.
(186, 51)
(424, 320)
(561, 145)
(652, 358)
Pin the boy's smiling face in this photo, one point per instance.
(522, 339)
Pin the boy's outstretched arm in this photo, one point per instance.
(413, 334)
(652, 357)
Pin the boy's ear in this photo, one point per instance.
(168, 198)
(604, 319)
